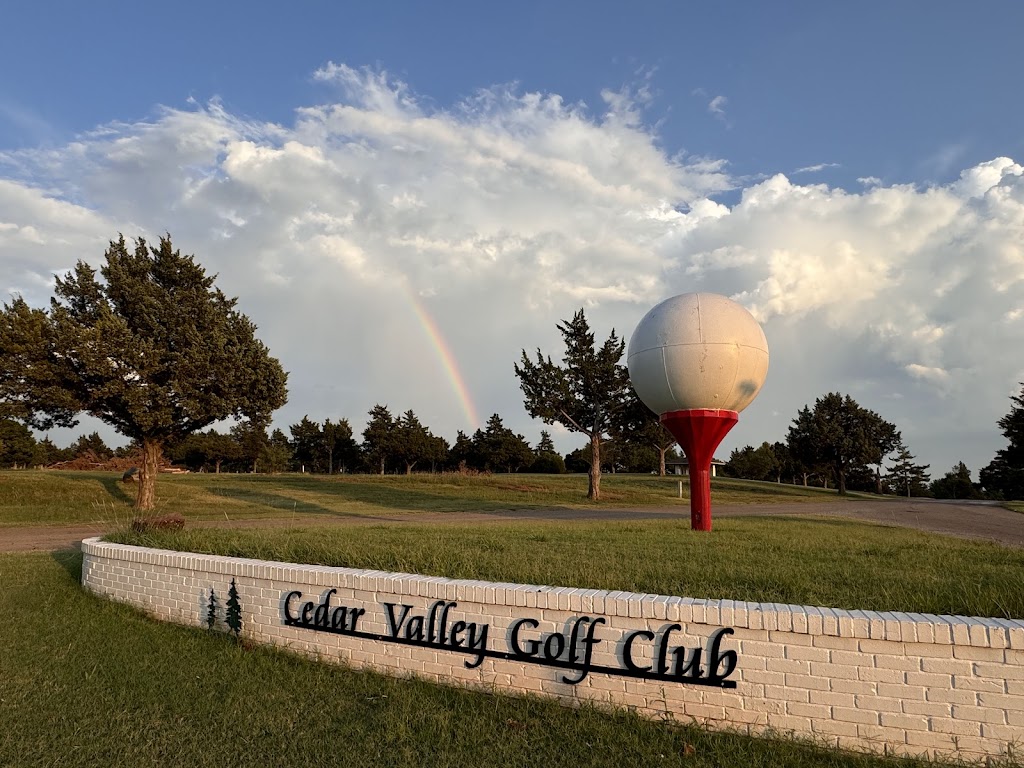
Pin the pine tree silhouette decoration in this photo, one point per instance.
(234, 614)
(211, 610)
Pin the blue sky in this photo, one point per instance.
(851, 173)
(902, 91)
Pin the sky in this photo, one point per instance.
(404, 196)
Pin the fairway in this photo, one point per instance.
(29, 497)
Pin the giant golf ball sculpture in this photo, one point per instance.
(697, 360)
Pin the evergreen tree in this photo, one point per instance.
(276, 455)
(17, 445)
(379, 444)
(251, 442)
(211, 610)
(154, 350)
(904, 477)
(91, 445)
(502, 449)
(233, 617)
(1004, 475)
(413, 443)
(546, 444)
(342, 449)
(463, 454)
(841, 436)
(955, 484)
(308, 446)
(586, 394)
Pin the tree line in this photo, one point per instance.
(840, 444)
(151, 347)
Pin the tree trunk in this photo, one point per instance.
(216, 465)
(145, 500)
(841, 479)
(661, 460)
(382, 466)
(594, 475)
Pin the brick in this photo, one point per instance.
(947, 666)
(761, 649)
(881, 733)
(929, 708)
(897, 662)
(852, 686)
(833, 699)
(901, 691)
(974, 653)
(811, 682)
(880, 675)
(979, 714)
(789, 723)
(789, 665)
(784, 693)
(802, 709)
(998, 671)
(834, 727)
(906, 722)
(851, 715)
(835, 643)
(929, 680)
(1001, 701)
(807, 653)
(851, 658)
(956, 727)
(970, 683)
(835, 671)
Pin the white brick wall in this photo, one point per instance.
(904, 683)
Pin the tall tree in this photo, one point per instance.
(586, 394)
(413, 443)
(251, 440)
(841, 435)
(501, 448)
(308, 445)
(1004, 475)
(342, 449)
(955, 484)
(153, 349)
(17, 444)
(379, 438)
(639, 424)
(904, 477)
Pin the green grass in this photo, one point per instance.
(1014, 506)
(834, 563)
(32, 497)
(86, 682)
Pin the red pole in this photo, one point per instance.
(700, 431)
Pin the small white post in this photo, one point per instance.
(680, 489)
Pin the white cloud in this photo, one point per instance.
(506, 212)
(717, 106)
(816, 167)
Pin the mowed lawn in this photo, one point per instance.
(29, 497)
(87, 682)
(823, 562)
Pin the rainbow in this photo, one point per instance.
(448, 361)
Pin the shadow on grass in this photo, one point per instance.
(70, 561)
(115, 488)
(375, 494)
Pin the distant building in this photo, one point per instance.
(682, 466)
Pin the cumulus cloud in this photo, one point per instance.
(502, 214)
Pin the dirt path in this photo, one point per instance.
(967, 519)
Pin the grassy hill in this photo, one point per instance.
(30, 497)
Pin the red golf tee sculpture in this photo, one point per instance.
(699, 432)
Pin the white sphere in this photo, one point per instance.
(697, 350)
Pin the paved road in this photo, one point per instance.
(967, 519)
